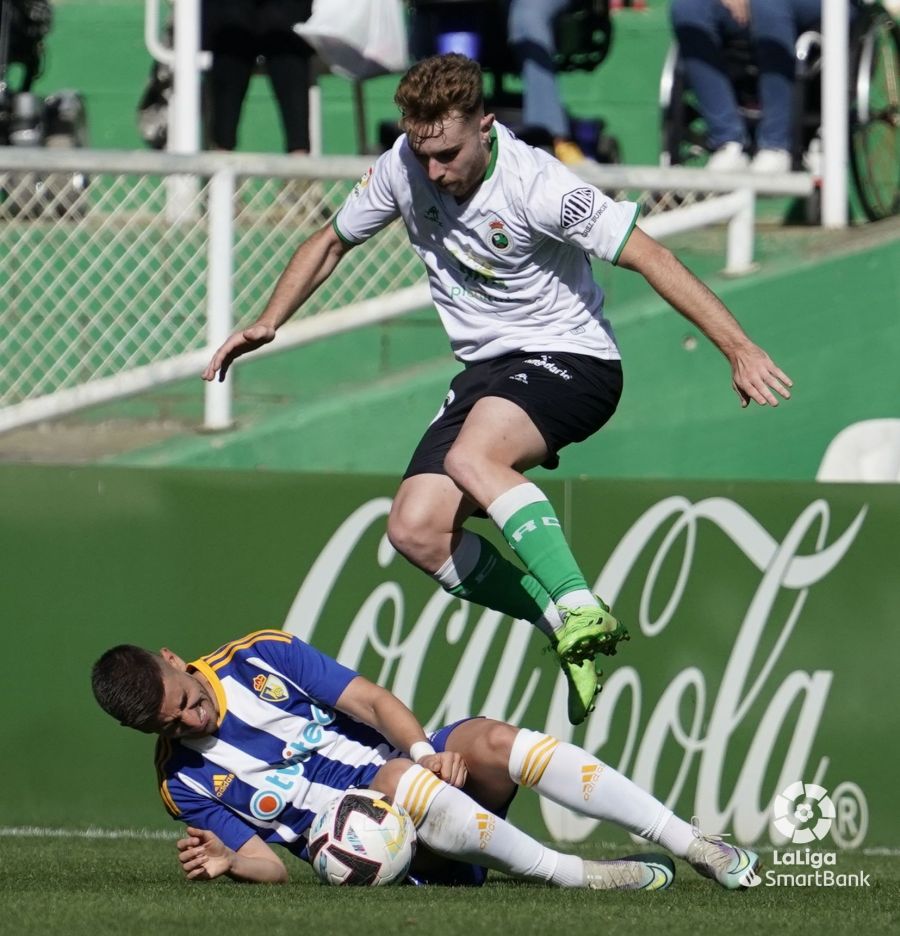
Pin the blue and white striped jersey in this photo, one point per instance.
(280, 752)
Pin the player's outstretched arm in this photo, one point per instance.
(313, 262)
(383, 711)
(754, 374)
(204, 856)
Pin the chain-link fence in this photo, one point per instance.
(99, 275)
(105, 259)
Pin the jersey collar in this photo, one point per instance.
(495, 148)
(205, 670)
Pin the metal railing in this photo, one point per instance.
(115, 278)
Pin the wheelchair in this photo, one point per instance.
(26, 119)
(874, 101)
(583, 36)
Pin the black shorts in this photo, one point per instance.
(567, 396)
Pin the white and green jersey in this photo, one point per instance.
(509, 268)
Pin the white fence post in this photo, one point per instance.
(741, 228)
(184, 108)
(835, 42)
(220, 221)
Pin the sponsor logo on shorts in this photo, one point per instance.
(548, 365)
(522, 378)
(576, 206)
(451, 396)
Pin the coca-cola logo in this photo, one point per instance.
(699, 743)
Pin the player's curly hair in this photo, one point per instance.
(435, 88)
(128, 684)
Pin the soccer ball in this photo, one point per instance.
(361, 838)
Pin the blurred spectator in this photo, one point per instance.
(530, 33)
(23, 26)
(237, 32)
(702, 28)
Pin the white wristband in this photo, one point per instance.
(420, 749)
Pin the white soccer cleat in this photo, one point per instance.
(636, 872)
(733, 867)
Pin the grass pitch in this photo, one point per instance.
(131, 887)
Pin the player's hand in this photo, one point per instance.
(448, 765)
(203, 855)
(739, 9)
(754, 375)
(248, 339)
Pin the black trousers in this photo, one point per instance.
(237, 33)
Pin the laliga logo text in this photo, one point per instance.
(803, 813)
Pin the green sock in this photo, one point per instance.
(488, 579)
(533, 531)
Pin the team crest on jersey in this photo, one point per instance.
(577, 206)
(221, 782)
(270, 688)
(499, 238)
(433, 215)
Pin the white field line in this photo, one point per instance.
(95, 833)
(90, 833)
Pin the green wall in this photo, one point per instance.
(764, 642)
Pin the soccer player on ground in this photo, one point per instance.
(505, 232)
(257, 737)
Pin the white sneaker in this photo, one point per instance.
(771, 162)
(733, 867)
(728, 158)
(636, 872)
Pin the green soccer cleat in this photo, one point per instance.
(636, 872)
(584, 686)
(587, 632)
(733, 867)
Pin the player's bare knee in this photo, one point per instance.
(388, 776)
(406, 535)
(397, 531)
(498, 740)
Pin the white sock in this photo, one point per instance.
(676, 836)
(582, 598)
(550, 623)
(452, 824)
(571, 777)
(513, 500)
(461, 563)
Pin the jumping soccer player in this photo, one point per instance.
(505, 232)
(257, 737)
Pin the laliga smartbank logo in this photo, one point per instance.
(805, 814)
